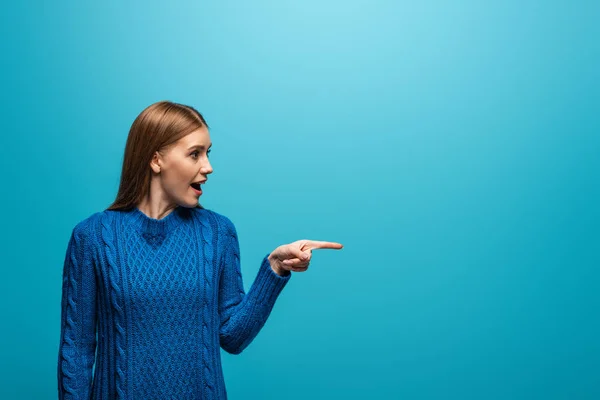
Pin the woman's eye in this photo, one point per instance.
(195, 153)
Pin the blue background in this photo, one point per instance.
(451, 147)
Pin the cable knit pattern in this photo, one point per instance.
(243, 315)
(166, 296)
(108, 239)
(78, 340)
(207, 316)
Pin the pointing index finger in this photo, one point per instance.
(319, 244)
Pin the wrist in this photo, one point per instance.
(276, 268)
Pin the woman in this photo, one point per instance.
(157, 278)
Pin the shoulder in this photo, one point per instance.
(220, 221)
(86, 228)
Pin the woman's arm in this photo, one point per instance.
(242, 315)
(78, 318)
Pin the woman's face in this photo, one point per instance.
(184, 163)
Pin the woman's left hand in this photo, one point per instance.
(297, 255)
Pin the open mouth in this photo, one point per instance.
(196, 185)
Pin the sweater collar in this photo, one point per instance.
(156, 227)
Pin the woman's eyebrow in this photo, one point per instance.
(199, 146)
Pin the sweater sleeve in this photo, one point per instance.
(242, 315)
(78, 319)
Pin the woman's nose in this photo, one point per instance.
(207, 168)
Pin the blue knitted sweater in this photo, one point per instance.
(148, 303)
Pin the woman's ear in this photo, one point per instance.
(155, 163)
